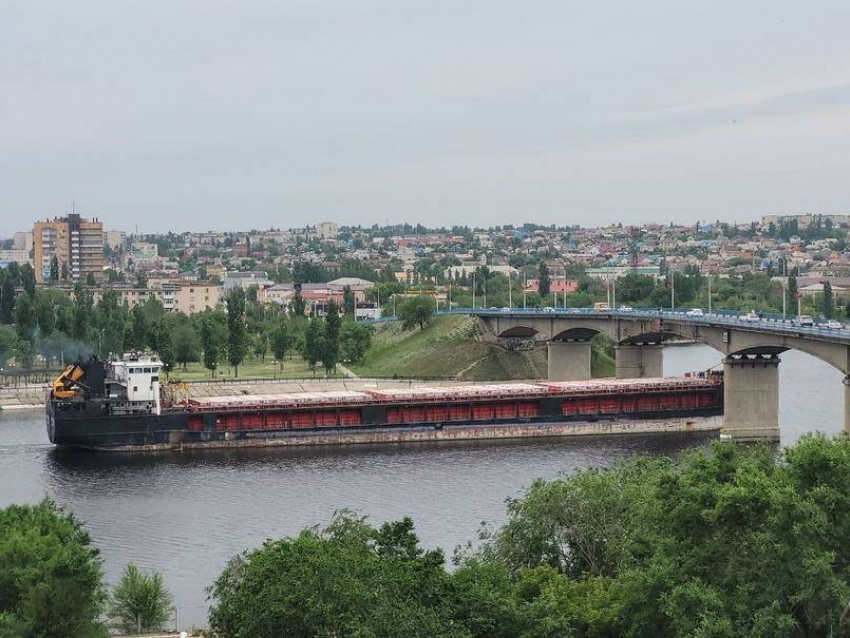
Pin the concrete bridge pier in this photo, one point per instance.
(569, 360)
(847, 404)
(639, 361)
(751, 397)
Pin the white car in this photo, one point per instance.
(751, 316)
(832, 324)
(805, 321)
(548, 309)
(625, 308)
(695, 312)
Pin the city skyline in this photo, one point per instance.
(297, 113)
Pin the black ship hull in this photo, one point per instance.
(90, 425)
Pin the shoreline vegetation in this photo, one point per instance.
(724, 541)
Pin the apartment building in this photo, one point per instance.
(77, 245)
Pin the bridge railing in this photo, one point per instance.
(769, 321)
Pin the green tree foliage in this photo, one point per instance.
(237, 336)
(725, 542)
(25, 317)
(298, 305)
(139, 327)
(330, 342)
(187, 346)
(140, 602)
(164, 345)
(280, 341)
(54, 269)
(28, 279)
(348, 302)
(50, 575)
(46, 304)
(544, 283)
(792, 286)
(213, 339)
(828, 301)
(7, 300)
(313, 346)
(354, 340)
(348, 579)
(8, 338)
(416, 311)
(110, 319)
(83, 312)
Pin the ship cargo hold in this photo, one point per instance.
(120, 406)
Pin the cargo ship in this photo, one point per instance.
(120, 405)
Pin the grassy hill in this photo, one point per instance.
(447, 348)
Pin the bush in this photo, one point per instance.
(140, 602)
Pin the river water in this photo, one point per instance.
(186, 514)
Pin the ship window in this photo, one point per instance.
(154, 378)
(135, 388)
(147, 370)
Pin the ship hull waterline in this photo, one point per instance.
(151, 433)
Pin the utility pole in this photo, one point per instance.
(473, 290)
(614, 293)
(525, 285)
(709, 293)
(784, 298)
(565, 284)
(485, 291)
(672, 290)
(510, 299)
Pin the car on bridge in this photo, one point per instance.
(695, 312)
(804, 321)
(832, 324)
(751, 316)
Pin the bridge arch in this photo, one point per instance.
(526, 332)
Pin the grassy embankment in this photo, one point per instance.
(447, 348)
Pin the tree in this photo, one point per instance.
(313, 346)
(416, 311)
(28, 279)
(54, 269)
(83, 312)
(543, 282)
(298, 305)
(164, 346)
(354, 340)
(186, 345)
(45, 310)
(90, 280)
(25, 317)
(828, 307)
(139, 328)
(280, 341)
(237, 337)
(330, 343)
(8, 339)
(64, 271)
(348, 303)
(792, 286)
(348, 579)
(213, 337)
(140, 602)
(644, 548)
(51, 579)
(7, 300)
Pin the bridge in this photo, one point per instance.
(750, 348)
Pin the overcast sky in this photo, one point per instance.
(201, 114)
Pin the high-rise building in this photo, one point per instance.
(76, 244)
